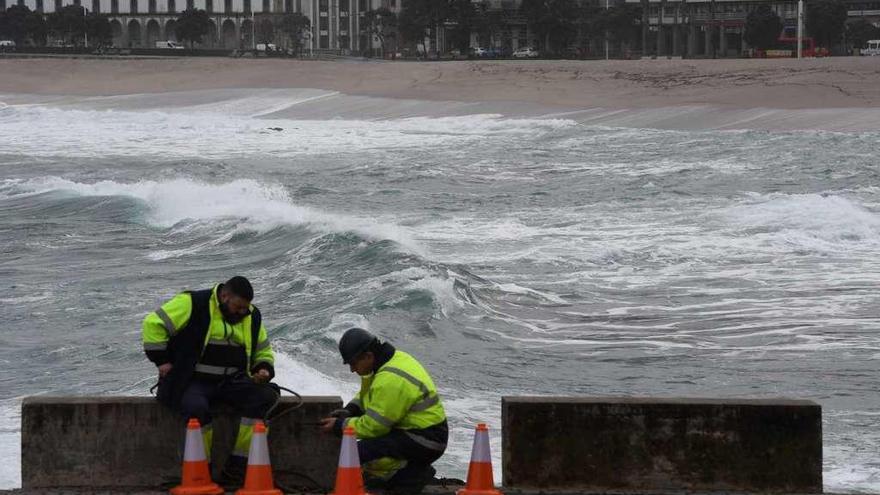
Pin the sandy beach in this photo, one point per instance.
(833, 94)
(778, 84)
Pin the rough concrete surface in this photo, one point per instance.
(111, 442)
(630, 444)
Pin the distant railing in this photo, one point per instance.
(669, 19)
(720, 16)
(151, 52)
(731, 16)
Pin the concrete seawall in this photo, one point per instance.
(114, 442)
(550, 444)
(629, 444)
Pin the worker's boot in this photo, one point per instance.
(411, 480)
(232, 475)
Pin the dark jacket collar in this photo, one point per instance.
(386, 352)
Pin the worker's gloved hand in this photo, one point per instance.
(340, 413)
(164, 369)
(262, 376)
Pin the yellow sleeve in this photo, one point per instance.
(390, 400)
(263, 356)
(160, 325)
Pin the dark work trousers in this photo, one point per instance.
(399, 445)
(249, 399)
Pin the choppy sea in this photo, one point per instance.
(513, 254)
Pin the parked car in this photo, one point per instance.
(169, 44)
(61, 44)
(266, 47)
(456, 54)
(872, 49)
(496, 52)
(527, 52)
(479, 52)
(7, 45)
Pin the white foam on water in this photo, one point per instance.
(518, 289)
(247, 104)
(786, 227)
(211, 132)
(309, 381)
(164, 254)
(264, 206)
(442, 291)
(852, 473)
(10, 444)
(14, 301)
(464, 413)
(851, 469)
(440, 286)
(816, 221)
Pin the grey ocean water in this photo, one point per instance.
(513, 255)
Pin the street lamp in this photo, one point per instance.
(85, 27)
(606, 31)
(800, 27)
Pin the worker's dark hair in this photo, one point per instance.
(241, 287)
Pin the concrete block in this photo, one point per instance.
(630, 444)
(113, 442)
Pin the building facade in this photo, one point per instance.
(715, 28)
(691, 28)
(687, 28)
(336, 25)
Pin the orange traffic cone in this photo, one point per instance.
(349, 480)
(258, 479)
(196, 475)
(480, 480)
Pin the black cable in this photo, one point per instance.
(277, 389)
(316, 487)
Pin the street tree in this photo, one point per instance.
(36, 28)
(295, 26)
(763, 26)
(68, 24)
(420, 18)
(644, 24)
(622, 22)
(192, 26)
(590, 22)
(825, 21)
(489, 22)
(99, 30)
(460, 20)
(859, 32)
(382, 25)
(553, 21)
(19, 23)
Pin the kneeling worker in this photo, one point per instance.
(397, 415)
(211, 346)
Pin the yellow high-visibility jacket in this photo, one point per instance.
(173, 333)
(399, 395)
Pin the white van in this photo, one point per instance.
(873, 48)
(169, 44)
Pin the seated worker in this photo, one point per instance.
(397, 415)
(211, 346)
